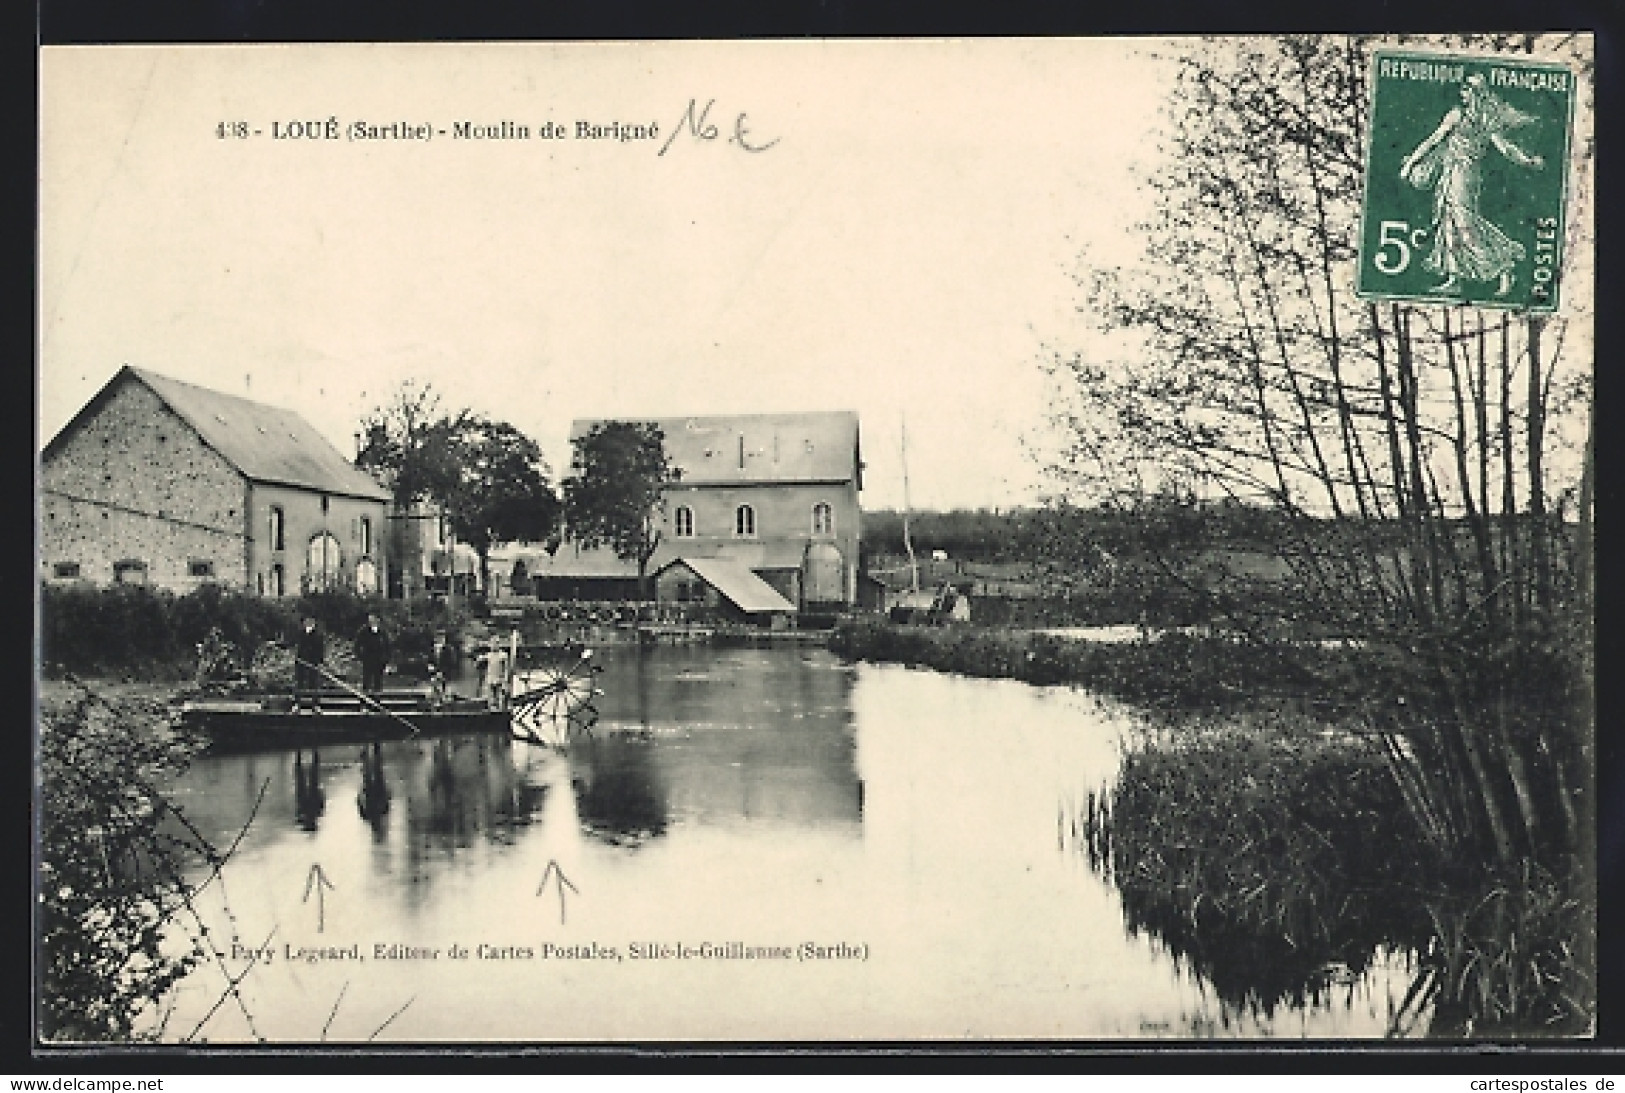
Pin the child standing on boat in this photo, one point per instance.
(494, 676)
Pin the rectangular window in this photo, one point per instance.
(278, 581)
(366, 535)
(200, 567)
(130, 571)
(66, 570)
(278, 523)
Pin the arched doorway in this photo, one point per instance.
(823, 578)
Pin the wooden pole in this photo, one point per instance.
(513, 666)
(908, 545)
(359, 694)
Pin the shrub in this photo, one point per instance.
(144, 632)
(109, 871)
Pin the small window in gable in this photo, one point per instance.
(684, 522)
(745, 522)
(130, 571)
(66, 570)
(823, 519)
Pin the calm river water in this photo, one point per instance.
(909, 824)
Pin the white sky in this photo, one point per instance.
(903, 248)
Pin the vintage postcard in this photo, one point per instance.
(910, 540)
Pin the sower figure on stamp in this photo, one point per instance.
(309, 650)
(372, 650)
(1451, 162)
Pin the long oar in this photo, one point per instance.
(359, 694)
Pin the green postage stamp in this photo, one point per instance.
(1466, 180)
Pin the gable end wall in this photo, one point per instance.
(134, 481)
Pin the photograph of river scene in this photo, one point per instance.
(1067, 540)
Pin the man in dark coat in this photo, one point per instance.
(309, 651)
(372, 650)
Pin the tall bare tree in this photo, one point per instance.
(1415, 451)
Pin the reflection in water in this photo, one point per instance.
(465, 789)
(373, 800)
(309, 800)
(740, 735)
(619, 796)
(763, 797)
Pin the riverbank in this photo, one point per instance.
(1174, 668)
(1279, 864)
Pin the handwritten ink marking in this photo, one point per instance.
(699, 127)
(318, 880)
(564, 882)
(739, 137)
(696, 120)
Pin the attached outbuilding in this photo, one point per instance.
(724, 587)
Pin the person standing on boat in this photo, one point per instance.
(309, 651)
(442, 663)
(372, 650)
(496, 678)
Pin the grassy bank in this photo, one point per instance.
(1266, 857)
(1175, 668)
(1276, 862)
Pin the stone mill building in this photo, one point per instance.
(761, 501)
(166, 483)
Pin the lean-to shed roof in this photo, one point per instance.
(744, 589)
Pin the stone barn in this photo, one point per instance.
(165, 483)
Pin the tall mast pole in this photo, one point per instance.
(908, 544)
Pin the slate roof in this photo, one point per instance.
(264, 443)
(813, 446)
(571, 561)
(744, 589)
